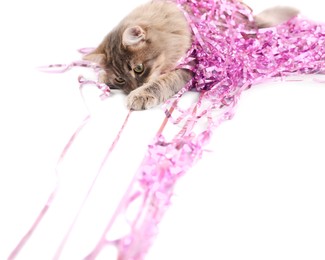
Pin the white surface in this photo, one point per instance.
(258, 195)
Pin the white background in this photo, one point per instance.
(258, 195)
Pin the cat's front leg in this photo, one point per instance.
(154, 93)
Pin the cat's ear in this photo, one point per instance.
(132, 36)
(97, 56)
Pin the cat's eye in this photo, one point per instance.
(138, 68)
(120, 80)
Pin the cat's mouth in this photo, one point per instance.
(125, 89)
(113, 87)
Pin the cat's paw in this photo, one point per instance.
(139, 99)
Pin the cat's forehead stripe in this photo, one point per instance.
(118, 65)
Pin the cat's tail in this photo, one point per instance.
(274, 16)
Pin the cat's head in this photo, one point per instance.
(131, 56)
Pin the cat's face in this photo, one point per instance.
(129, 57)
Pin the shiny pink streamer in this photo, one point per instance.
(110, 150)
(52, 196)
(60, 68)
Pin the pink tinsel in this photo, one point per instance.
(238, 54)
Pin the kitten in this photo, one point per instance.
(140, 54)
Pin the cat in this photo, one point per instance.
(140, 54)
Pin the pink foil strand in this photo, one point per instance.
(52, 196)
